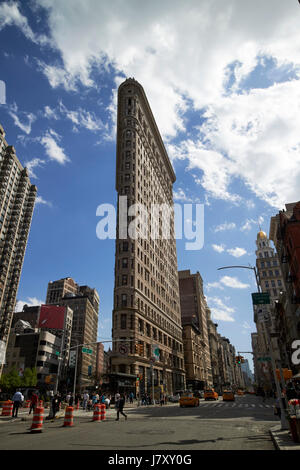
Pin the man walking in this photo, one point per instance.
(86, 398)
(33, 402)
(17, 399)
(119, 407)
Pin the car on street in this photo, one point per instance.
(199, 393)
(188, 399)
(210, 394)
(240, 392)
(228, 395)
(174, 398)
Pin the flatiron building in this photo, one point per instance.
(147, 346)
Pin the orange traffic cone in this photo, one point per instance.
(7, 408)
(97, 413)
(37, 421)
(69, 416)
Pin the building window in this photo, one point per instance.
(123, 321)
(124, 300)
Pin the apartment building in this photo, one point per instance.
(17, 198)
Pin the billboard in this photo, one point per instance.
(52, 316)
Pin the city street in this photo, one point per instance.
(215, 425)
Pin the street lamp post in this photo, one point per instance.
(284, 424)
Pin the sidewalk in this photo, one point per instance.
(282, 439)
(23, 414)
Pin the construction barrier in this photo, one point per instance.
(7, 408)
(102, 412)
(97, 413)
(69, 416)
(41, 403)
(27, 404)
(37, 421)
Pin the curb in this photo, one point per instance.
(282, 440)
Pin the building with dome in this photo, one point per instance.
(270, 280)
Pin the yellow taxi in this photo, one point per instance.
(188, 399)
(240, 392)
(228, 395)
(210, 394)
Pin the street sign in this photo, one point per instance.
(123, 349)
(259, 298)
(86, 350)
(57, 353)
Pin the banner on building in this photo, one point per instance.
(2, 352)
(72, 359)
(52, 316)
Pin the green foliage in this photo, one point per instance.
(11, 379)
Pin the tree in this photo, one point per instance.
(29, 378)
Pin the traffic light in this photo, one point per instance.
(238, 359)
(137, 348)
(141, 349)
(242, 360)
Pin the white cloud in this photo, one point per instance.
(246, 325)
(236, 252)
(34, 163)
(40, 200)
(31, 302)
(50, 113)
(24, 126)
(53, 150)
(247, 225)
(218, 248)
(214, 285)
(11, 15)
(219, 310)
(225, 226)
(82, 118)
(233, 282)
(194, 58)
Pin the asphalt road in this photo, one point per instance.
(240, 425)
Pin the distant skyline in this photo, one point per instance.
(222, 80)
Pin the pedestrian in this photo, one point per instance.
(33, 402)
(85, 400)
(119, 407)
(71, 400)
(107, 402)
(277, 409)
(55, 405)
(18, 399)
(94, 400)
(68, 398)
(291, 392)
(263, 395)
(131, 395)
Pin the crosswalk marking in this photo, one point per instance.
(231, 405)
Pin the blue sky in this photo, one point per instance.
(223, 84)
